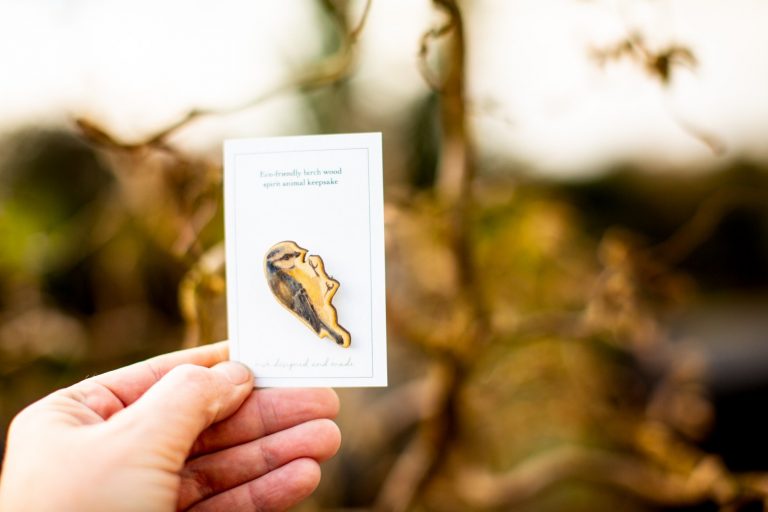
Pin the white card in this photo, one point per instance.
(324, 193)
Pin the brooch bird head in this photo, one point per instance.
(285, 255)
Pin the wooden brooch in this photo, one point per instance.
(301, 285)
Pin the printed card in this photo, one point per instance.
(305, 259)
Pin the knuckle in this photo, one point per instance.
(20, 422)
(30, 416)
(195, 485)
(269, 456)
(198, 380)
(191, 374)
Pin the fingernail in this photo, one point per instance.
(237, 373)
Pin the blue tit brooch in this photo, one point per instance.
(300, 283)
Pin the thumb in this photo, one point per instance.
(171, 414)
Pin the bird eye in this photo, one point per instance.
(286, 257)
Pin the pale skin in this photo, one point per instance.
(182, 431)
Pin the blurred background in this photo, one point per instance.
(587, 181)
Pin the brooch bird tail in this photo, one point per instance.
(337, 334)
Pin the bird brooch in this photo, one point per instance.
(301, 285)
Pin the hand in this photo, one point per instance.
(182, 431)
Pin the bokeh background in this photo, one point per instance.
(576, 214)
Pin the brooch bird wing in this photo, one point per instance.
(301, 285)
(299, 302)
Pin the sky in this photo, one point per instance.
(535, 93)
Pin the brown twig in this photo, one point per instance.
(204, 278)
(704, 221)
(661, 65)
(424, 455)
(707, 481)
(355, 33)
(456, 173)
(429, 37)
(330, 71)
(657, 63)
(716, 145)
(420, 463)
(403, 480)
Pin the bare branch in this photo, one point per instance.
(331, 70)
(706, 219)
(429, 37)
(709, 480)
(403, 481)
(709, 139)
(354, 34)
(427, 450)
(205, 277)
(661, 65)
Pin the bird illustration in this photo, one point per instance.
(301, 284)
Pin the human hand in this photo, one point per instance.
(185, 430)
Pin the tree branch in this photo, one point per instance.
(329, 71)
(708, 480)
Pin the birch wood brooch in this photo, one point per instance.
(300, 284)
